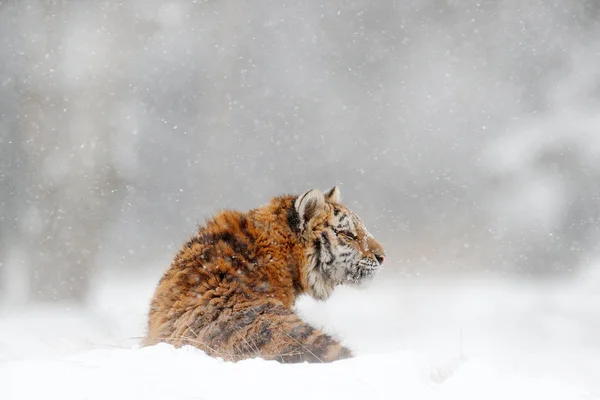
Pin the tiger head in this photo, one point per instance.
(339, 248)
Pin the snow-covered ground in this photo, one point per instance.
(414, 339)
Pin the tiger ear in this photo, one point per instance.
(333, 195)
(309, 205)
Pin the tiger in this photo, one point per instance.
(230, 290)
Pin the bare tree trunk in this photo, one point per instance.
(10, 171)
(71, 193)
(71, 186)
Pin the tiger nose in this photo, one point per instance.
(380, 258)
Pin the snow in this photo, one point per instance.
(162, 372)
(413, 338)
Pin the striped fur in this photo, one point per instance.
(231, 289)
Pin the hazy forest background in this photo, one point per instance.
(465, 133)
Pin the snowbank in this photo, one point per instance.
(162, 372)
(414, 339)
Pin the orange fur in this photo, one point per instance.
(230, 290)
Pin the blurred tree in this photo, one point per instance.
(195, 106)
(68, 184)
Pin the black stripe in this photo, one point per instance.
(317, 244)
(245, 231)
(320, 346)
(301, 332)
(207, 255)
(263, 336)
(224, 329)
(327, 245)
(231, 240)
(221, 275)
(293, 219)
(295, 274)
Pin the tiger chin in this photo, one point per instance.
(231, 289)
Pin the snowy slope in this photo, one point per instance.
(164, 373)
(414, 339)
